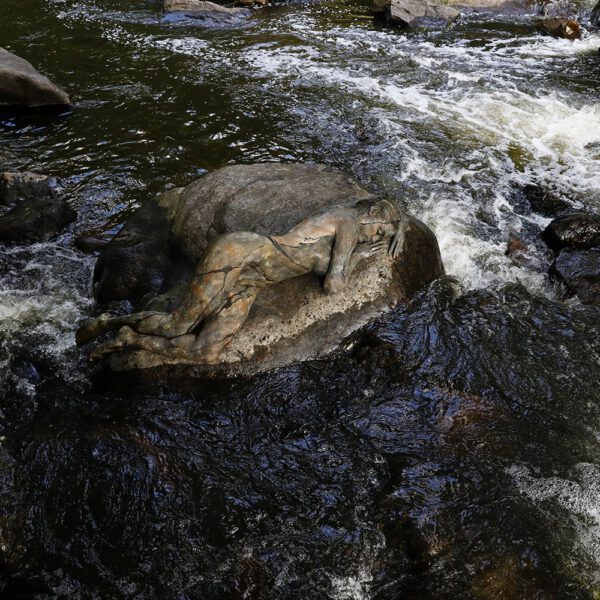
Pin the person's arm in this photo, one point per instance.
(397, 241)
(340, 265)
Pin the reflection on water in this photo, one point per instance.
(449, 454)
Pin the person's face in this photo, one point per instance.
(375, 232)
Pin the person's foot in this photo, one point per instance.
(125, 339)
(92, 329)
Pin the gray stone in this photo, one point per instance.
(415, 13)
(267, 198)
(292, 320)
(202, 9)
(22, 85)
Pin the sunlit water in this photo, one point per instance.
(450, 124)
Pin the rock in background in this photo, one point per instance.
(22, 85)
(204, 10)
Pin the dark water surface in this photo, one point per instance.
(450, 450)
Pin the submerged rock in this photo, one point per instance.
(37, 211)
(579, 272)
(291, 320)
(515, 247)
(22, 85)
(561, 28)
(577, 230)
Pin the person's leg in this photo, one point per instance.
(219, 330)
(204, 294)
(106, 322)
(216, 334)
(128, 339)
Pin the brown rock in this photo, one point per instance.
(515, 246)
(562, 28)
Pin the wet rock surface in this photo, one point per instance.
(579, 272)
(37, 211)
(577, 230)
(16, 187)
(387, 468)
(545, 202)
(140, 261)
(22, 85)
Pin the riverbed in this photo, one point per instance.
(450, 450)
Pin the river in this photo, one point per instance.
(453, 451)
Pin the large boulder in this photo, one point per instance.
(292, 320)
(37, 211)
(576, 230)
(22, 85)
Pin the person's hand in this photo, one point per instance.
(396, 244)
(370, 249)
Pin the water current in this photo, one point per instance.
(452, 451)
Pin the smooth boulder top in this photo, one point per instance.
(293, 320)
(199, 7)
(22, 85)
(268, 198)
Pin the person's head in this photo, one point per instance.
(377, 221)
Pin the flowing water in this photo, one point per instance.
(451, 451)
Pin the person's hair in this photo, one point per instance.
(380, 210)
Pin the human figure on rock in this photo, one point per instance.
(236, 266)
